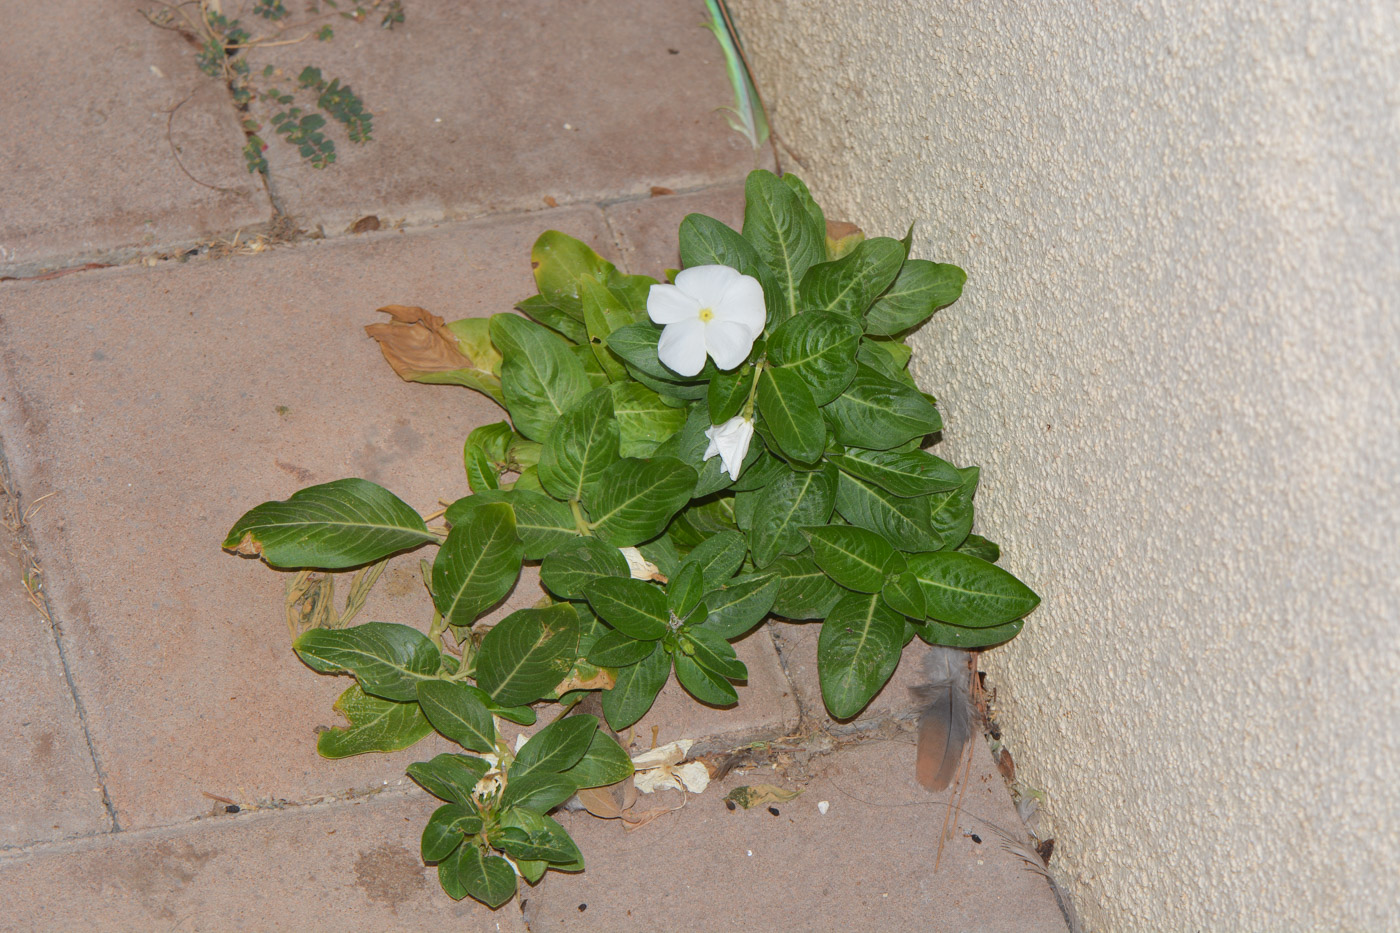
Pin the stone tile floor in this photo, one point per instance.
(145, 404)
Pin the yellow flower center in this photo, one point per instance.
(706, 315)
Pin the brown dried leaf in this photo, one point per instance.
(754, 795)
(603, 679)
(365, 224)
(550, 201)
(657, 191)
(249, 546)
(417, 342)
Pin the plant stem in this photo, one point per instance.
(580, 522)
(753, 389)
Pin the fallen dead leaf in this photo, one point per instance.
(550, 202)
(755, 795)
(657, 191)
(417, 342)
(365, 224)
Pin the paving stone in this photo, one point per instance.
(346, 867)
(160, 404)
(647, 228)
(493, 107)
(48, 786)
(866, 864)
(88, 166)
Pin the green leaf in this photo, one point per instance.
(388, 660)
(859, 648)
(477, 565)
(542, 523)
(332, 526)
(481, 473)
(887, 357)
(581, 445)
(804, 591)
(568, 570)
(878, 413)
(636, 689)
(470, 871)
(634, 607)
(960, 589)
(540, 378)
(713, 652)
(727, 393)
(603, 313)
(978, 546)
(921, 288)
(555, 748)
(685, 590)
(705, 241)
(703, 684)
(527, 654)
(689, 445)
(848, 286)
(561, 263)
(793, 501)
(804, 197)
(854, 557)
(738, 607)
(635, 499)
(783, 234)
(719, 556)
(950, 513)
(605, 762)
(907, 473)
(538, 790)
(447, 827)
(636, 346)
(904, 595)
(644, 419)
(791, 414)
(957, 636)
(547, 842)
(561, 322)
(904, 522)
(615, 649)
(376, 725)
(450, 777)
(457, 713)
(820, 349)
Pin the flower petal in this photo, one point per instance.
(743, 302)
(728, 342)
(667, 304)
(682, 347)
(706, 284)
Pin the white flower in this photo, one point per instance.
(731, 441)
(711, 310)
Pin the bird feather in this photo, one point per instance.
(945, 724)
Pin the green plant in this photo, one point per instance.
(227, 47)
(672, 506)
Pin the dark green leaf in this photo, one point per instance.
(376, 725)
(636, 346)
(738, 607)
(538, 790)
(636, 498)
(470, 871)
(477, 564)
(527, 654)
(904, 595)
(903, 522)
(540, 378)
(791, 414)
(636, 689)
(457, 713)
(950, 513)
(783, 234)
(854, 557)
(450, 777)
(921, 288)
(804, 591)
(887, 357)
(557, 747)
(978, 546)
(388, 660)
(603, 313)
(878, 413)
(332, 526)
(703, 684)
(711, 651)
(936, 633)
(615, 649)
(858, 650)
(542, 523)
(581, 445)
(561, 322)
(727, 394)
(605, 762)
(793, 501)
(848, 286)
(907, 473)
(569, 569)
(447, 827)
(685, 590)
(719, 557)
(960, 589)
(548, 843)
(634, 607)
(818, 347)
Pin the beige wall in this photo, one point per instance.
(1178, 362)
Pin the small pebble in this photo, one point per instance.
(582, 908)
(773, 810)
(823, 806)
(750, 851)
(729, 804)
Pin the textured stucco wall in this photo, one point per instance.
(1178, 362)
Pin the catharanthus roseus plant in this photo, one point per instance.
(683, 460)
